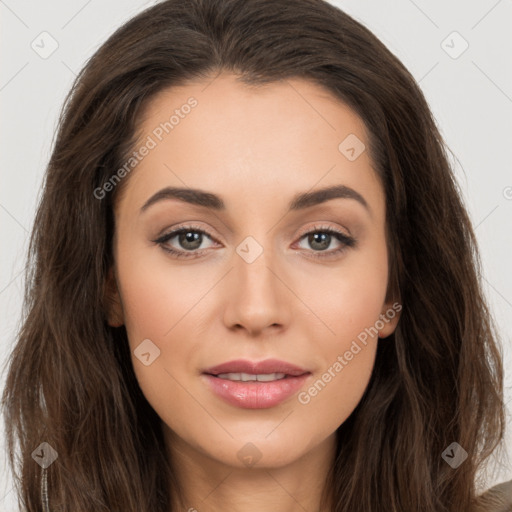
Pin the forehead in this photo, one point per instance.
(226, 99)
(220, 134)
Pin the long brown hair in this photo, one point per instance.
(70, 382)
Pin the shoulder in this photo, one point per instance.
(496, 499)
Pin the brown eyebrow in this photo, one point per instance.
(298, 202)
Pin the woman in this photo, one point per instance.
(253, 369)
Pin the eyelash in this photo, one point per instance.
(345, 240)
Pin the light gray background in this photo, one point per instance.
(470, 96)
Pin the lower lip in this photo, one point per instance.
(254, 394)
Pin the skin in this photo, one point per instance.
(256, 147)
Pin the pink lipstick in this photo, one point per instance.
(255, 385)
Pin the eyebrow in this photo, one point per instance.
(299, 201)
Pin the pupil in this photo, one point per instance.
(324, 240)
(191, 237)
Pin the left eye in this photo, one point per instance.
(190, 239)
(322, 238)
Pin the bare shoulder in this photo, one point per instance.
(496, 499)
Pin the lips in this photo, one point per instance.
(256, 368)
(255, 394)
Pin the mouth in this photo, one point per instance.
(255, 385)
(265, 367)
(249, 377)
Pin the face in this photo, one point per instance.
(256, 266)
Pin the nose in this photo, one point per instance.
(258, 298)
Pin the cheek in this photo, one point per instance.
(331, 397)
(158, 305)
(349, 306)
(166, 305)
(156, 297)
(347, 353)
(347, 299)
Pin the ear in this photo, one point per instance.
(388, 319)
(112, 301)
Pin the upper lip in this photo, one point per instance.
(256, 367)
